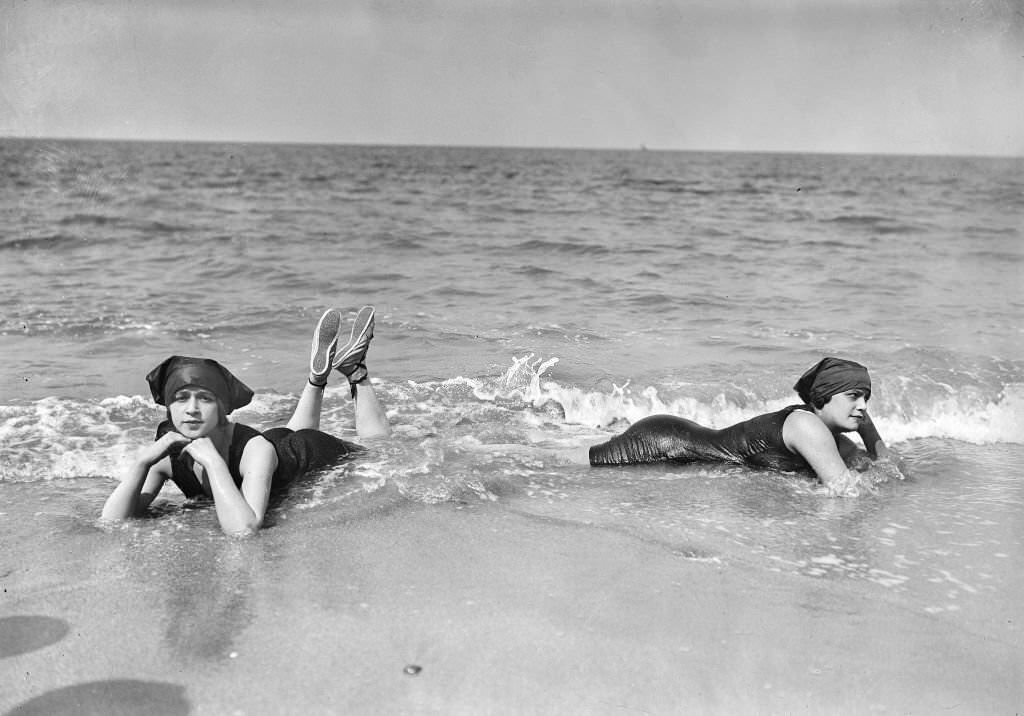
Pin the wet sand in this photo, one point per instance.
(461, 609)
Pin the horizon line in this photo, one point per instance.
(640, 147)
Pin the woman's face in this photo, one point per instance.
(844, 412)
(195, 412)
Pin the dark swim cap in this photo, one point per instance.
(830, 376)
(179, 371)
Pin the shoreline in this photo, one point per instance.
(467, 609)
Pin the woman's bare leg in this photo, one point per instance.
(307, 412)
(325, 340)
(371, 420)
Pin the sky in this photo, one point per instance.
(849, 76)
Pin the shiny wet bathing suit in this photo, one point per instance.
(298, 451)
(756, 442)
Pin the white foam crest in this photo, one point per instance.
(523, 380)
(58, 438)
(983, 422)
(944, 411)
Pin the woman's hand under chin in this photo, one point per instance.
(170, 443)
(203, 451)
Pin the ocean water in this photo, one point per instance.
(530, 302)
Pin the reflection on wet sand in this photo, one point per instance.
(207, 602)
(203, 584)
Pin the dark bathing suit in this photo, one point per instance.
(757, 442)
(298, 452)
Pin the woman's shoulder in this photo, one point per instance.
(803, 424)
(246, 439)
(780, 417)
(800, 409)
(801, 414)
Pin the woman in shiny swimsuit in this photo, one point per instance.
(799, 437)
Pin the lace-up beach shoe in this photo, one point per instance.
(350, 359)
(325, 343)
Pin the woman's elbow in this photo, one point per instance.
(845, 484)
(116, 512)
(247, 529)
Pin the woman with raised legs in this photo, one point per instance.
(206, 454)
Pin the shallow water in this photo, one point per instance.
(529, 303)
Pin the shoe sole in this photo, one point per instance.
(362, 326)
(325, 340)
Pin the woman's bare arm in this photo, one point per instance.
(240, 512)
(805, 434)
(140, 486)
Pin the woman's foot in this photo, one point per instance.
(325, 343)
(350, 359)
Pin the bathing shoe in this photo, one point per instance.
(349, 359)
(325, 341)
